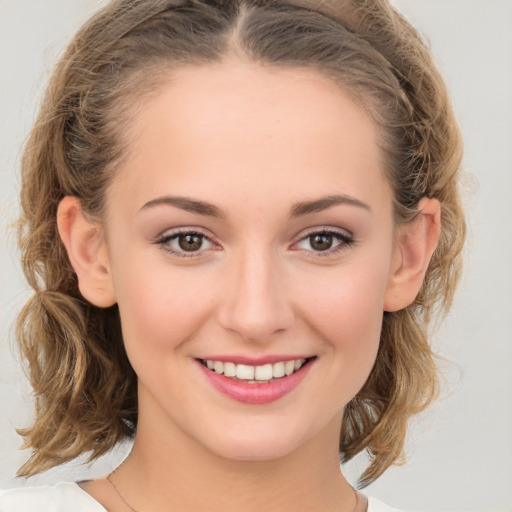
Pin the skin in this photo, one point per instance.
(252, 142)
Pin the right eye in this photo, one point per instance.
(185, 244)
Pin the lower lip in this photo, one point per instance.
(255, 393)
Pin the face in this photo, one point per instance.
(250, 230)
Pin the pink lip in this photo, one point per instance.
(255, 393)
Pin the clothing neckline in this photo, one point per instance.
(372, 502)
(85, 494)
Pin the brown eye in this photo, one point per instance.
(325, 243)
(190, 242)
(186, 244)
(321, 241)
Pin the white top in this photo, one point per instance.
(70, 497)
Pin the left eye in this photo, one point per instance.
(324, 241)
(185, 242)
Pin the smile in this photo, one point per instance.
(254, 374)
(255, 384)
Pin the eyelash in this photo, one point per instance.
(345, 241)
(163, 242)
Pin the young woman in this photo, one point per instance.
(238, 217)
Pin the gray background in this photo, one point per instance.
(460, 451)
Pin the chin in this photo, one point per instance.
(256, 445)
(254, 453)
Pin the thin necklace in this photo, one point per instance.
(133, 509)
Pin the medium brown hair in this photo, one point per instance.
(85, 388)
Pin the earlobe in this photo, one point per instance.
(87, 252)
(416, 243)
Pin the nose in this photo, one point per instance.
(256, 304)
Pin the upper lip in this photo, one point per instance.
(255, 361)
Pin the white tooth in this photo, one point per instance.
(299, 363)
(218, 367)
(289, 367)
(278, 370)
(263, 372)
(210, 364)
(245, 372)
(230, 369)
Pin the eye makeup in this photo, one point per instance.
(324, 242)
(193, 243)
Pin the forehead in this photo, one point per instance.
(251, 128)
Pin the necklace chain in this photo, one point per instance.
(133, 509)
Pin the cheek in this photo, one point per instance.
(159, 309)
(352, 299)
(347, 313)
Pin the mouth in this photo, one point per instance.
(256, 374)
(255, 384)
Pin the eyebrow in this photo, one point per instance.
(189, 205)
(297, 210)
(324, 203)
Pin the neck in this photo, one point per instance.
(167, 470)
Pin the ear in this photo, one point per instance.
(416, 243)
(87, 252)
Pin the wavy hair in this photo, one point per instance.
(85, 389)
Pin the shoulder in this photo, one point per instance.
(375, 505)
(61, 497)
